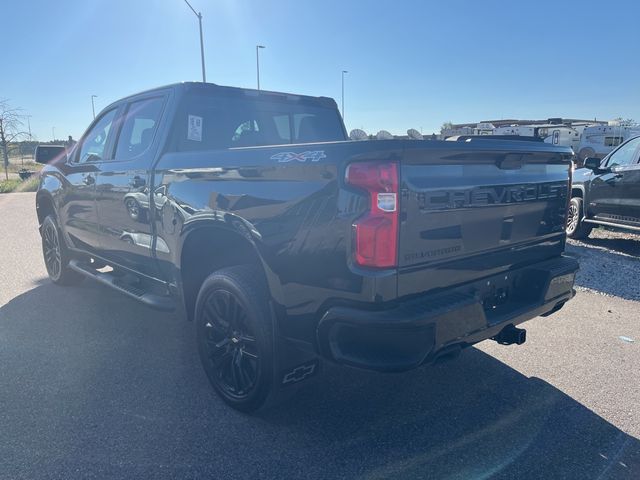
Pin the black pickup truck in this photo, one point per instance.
(607, 192)
(253, 214)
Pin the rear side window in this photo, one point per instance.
(209, 121)
(139, 127)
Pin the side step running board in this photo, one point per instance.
(158, 302)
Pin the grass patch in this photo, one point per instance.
(17, 185)
(15, 165)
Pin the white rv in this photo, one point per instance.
(554, 133)
(560, 135)
(519, 130)
(599, 140)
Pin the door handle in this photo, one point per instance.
(89, 180)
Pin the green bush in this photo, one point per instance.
(17, 185)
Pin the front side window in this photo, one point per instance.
(95, 141)
(139, 127)
(625, 155)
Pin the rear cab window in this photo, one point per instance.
(211, 120)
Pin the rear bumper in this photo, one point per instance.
(419, 330)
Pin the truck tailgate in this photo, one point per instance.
(470, 210)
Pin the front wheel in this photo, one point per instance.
(56, 256)
(235, 336)
(576, 228)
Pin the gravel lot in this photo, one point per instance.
(94, 385)
(609, 263)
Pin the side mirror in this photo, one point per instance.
(592, 163)
(45, 154)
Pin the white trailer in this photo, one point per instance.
(599, 140)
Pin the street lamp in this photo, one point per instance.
(93, 107)
(199, 15)
(258, 47)
(343, 72)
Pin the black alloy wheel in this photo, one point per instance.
(51, 250)
(234, 336)
(56, 255)
(231, 344)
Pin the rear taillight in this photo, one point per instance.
(376, 232)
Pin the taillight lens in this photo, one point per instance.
(376, 233)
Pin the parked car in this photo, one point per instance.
(607, 192)
(286, 243)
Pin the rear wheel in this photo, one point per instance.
(576, 228)
(235, 337)
(56, 255)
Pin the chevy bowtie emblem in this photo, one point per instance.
(285, 157)
(299, 373)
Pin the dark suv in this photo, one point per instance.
(607, 192)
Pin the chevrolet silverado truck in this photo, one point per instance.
(607, 192)
(252, 214)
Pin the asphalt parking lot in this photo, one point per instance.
(94, 385)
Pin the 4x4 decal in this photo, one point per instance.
(285, 157)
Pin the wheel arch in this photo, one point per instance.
(577, 191)
(208, 245)
(45, 205)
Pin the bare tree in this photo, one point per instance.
(446, 126)
(10, 124)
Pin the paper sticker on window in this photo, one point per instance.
(194, 130)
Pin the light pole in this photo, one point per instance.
(199, 15)
(93, 107)
(258, 47)
(343, 72)
(53, 132)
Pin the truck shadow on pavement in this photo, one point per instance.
(94, 384)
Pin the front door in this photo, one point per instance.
(611, 194)
(78, 215)
(123, 189)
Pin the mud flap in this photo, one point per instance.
(295, 362)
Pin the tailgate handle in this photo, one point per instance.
(511, 161)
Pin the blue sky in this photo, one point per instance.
(412, 64)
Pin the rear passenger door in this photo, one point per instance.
(124, 188)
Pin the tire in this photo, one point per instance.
(234, 334)
(56, 255)
(575, 226)
(134, 209)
